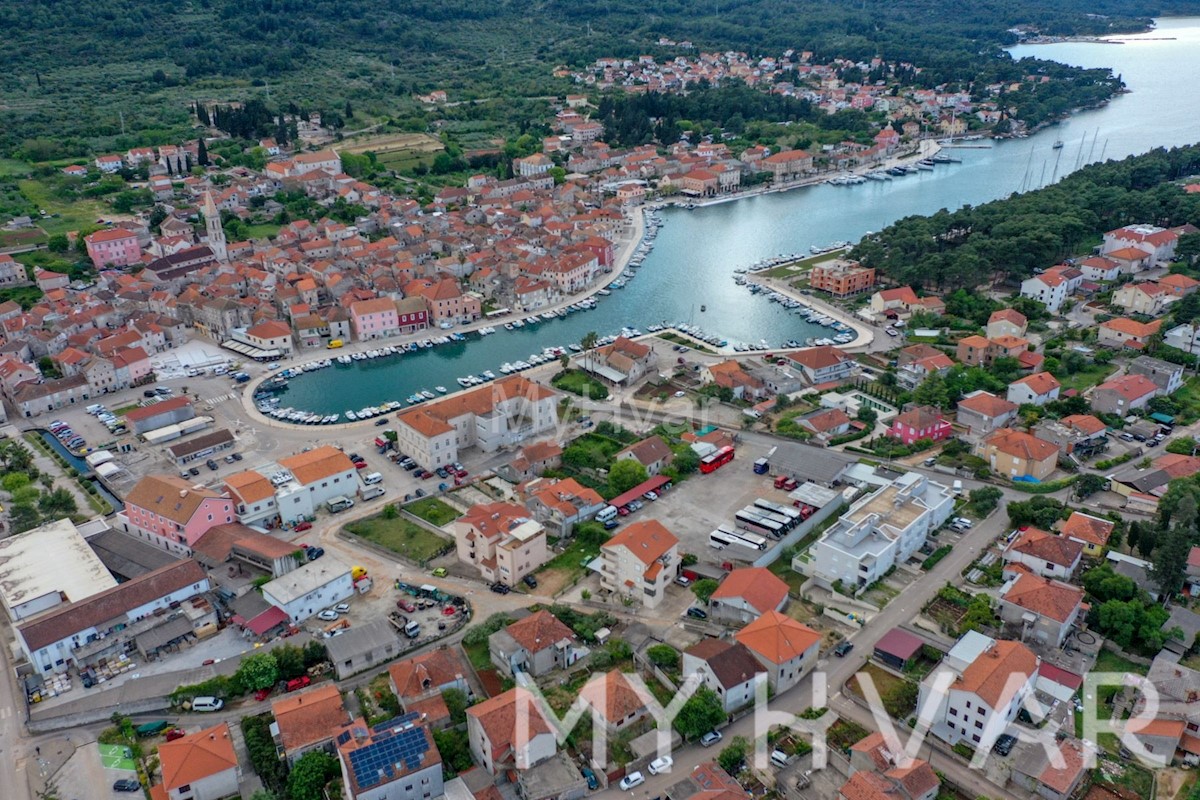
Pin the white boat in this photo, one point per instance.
(603, 292)
(488, 375)
(428, 395)
(440, 389)
(516, 323)
(351, 415)
(464, 382)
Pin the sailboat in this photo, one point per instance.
(1058, 145)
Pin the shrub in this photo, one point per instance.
(935, 557)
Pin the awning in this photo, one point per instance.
(266, 620)
(164, 634)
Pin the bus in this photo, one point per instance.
(721, 538)
(792, 514)
(750, 520)
(714, 461)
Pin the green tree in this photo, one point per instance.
(289, 659)
(626, 474)
(1187, 249)
(704, 588)
(733, 757)
(58, 503)
(700, 714)
(58, 243)
(455, 749)
(310, 774)
(1039, 511)
(14, 481)
(1169, 563)
(1088, 484)
(23, 516)
(685, 462)
(932, 392)
(663, 655)
(257, 671)
(456, 702)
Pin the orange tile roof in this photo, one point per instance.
(478, 401)
(306, 718)
(1008, 315)
(1158, 727)
(1019, 444)
(614, 696)
(197, 756)
(758, 586)
(169, 497)
(648, 539)
(1087, 528)
(778, 638)
(1039, 383)
(987, 676)
(1043, 596)
(987, 404)
(316, 464)
(417, 676)
(1131, 387)
(539, 631)
(1039, 544)
(1063, 779)
(1084, 423)
(1131, 327)
(250, 486)
(498, 718)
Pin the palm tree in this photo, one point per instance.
(588, 343)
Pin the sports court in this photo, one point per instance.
(116, 756)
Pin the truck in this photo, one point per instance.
(370, 492)
(762, 466)
(152, 728)
(339, 503)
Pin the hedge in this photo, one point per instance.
(937, 556)
(1044, 488)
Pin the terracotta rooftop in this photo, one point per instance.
(648, 539)
(1059, 550)
(197, 756)
(1087, 528)
(758, 586)
(1045, 597)
(306, 718)
(988, 675)
(778, 638)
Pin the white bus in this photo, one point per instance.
(748, 538)
(750, 520)
(720, 540)
(780, 510)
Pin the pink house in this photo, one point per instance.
(113, 247)
(173, 513)
(374, 319)
(131, 365)
(920, 422)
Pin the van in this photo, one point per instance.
(372, 478)
(958, 487)
(339, 503)
(780, 758)
(606, 513)
(335, 344)
(413, 629)
(371, 492)
(207, 704)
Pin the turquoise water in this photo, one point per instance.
(697, 251)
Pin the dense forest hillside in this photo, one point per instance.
(83, 75)
(1006, 240)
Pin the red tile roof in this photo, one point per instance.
(778, 638)
(758, 586)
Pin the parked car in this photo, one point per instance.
(632, 780)
(328, 615)
(261, 694)
(651, 496)
(684, 580)
(441, 472)
(500, 588)
(1004, 744)
(405, 606)
(193, 471)
(843, 649)
(126, 785)
(211, 465)
(530, 581)
(710, 738)
(298, 683)
(440, 572)
(592, 782)
(660, 765)
(302, 526)
(237, 456)
(313, 553)
(929, 462)
(623, 511)
(342, 608)
(697, 613)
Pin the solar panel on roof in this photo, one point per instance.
(343, 737)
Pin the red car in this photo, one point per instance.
(425, 475)
(302, 526)
(174, 734)
(623, 511)
(461, 473)
(298, 683)
(360, 465)
(262, 694)
(404, 605)
(449, 611)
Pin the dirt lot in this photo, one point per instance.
(396, 148)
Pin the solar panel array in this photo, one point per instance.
(391, 746)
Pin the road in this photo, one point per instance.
(837, 671)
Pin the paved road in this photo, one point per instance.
(837, 671)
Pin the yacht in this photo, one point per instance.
(440, 389)
(428, 395)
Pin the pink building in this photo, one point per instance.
(446, 301)
(172, 513)
(131, 365)
(374, 319)
(113, 247)
(921, 422)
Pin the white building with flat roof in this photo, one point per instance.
(48, 566)
(881, 530)
(309, 589)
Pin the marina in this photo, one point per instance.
(682, 268)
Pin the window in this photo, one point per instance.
(954, 712)
(979, 724)
(975, 738)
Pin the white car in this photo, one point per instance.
(328, 615)
(631, 780)
(962, 521)
(660, 765)
(342, 608)
(681, 394)
(710, 738)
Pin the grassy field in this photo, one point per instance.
(398, 151)
(1108, 661)
(263, 230)
(898, 694)
(794, 268)
(403, 537)
(1188, 400)
(1087, 378)
(580, 383)
(66, 215)
(433, 511)
(563, 569)
(782, 567)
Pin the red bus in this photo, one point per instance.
(715, 461)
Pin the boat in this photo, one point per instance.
(603, 292)
(350, 415)
(440, 389)
(428, 395)
(464, 382)
(1058, 145)
(574, 348)
(878, 176)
